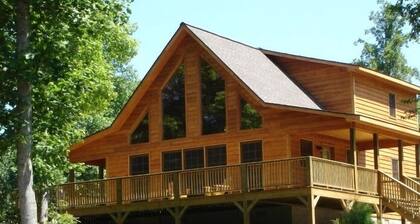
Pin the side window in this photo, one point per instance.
(250, 118)
(139, 164)
(392, 105)
(212, 100)
(193, 158)
(251, 151)
(173, 106)
(172, 161)
(216, 156)
(395, 169)
(305, 147)
(141, 134)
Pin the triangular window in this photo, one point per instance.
(141, 134)
(250, 118)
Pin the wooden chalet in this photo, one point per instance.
(219, 131)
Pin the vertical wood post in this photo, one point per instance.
(119, 190)
(311, 209)
(376, 151)
(176, 185)
(100, 172)
(310, 172)
(353, 149)
(246, 213)
(400, 159)
(417, 160)
(244, 178)
(71, 178)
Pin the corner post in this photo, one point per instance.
(244, 178)
(376, 151)
(353, 149)
(400, 159)
(311, 204)
(417, 160)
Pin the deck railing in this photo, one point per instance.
(414, 183)
(213, 181)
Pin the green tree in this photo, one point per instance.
(409, 10)
(360, 213)
(53, 83)
(385, 53)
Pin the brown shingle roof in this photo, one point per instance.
(256, 71)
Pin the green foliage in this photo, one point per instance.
(385, 53)
(250, 118)
(360, 213)
(410, 11)
(77, 63)
(57, 218)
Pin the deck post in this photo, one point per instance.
(311, 206)
(246, 207)
(417, 160)
(119, 218)
(376, 151)
(118, 188)
(71, 178)
(353, 149)
(176, 185)
(244, 178)
(177, 213)
(400, 159)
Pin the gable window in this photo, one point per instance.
(194, 158)
(392, 105)
(216, 156)
(173, 106)
(305, 147)
(172, 161)
(250, 118)
(212, 100)
(141, 134)
(139, 164)
(251, 151)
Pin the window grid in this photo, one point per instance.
(216, 156)
(172, 161)
(251, 152)
(194, 158)
(139, 164)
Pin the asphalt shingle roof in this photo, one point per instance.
(256, 71)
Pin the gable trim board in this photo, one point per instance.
(250, 66)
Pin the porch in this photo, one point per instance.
(306, 179)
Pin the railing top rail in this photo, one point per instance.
(413, 179)
(406, 188)
(331, 161)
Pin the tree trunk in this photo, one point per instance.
(27, 201)
(43, 214)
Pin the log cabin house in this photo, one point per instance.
(219, 131)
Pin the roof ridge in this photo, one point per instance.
(218, 35)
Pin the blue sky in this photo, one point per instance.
(324, 29)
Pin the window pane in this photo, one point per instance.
(212, 100)
(305, 147)
(216, 156)
(392, 108)
(173, 106)
(172, 161)
(141, 134)
(194, 158)
(395, 169)
(139, 165)
(251, 152)
(250, 118)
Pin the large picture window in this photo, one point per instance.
(250, 118)
(173, 106)
(212, 100)
(141, 134)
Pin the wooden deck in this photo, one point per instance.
(262, 180)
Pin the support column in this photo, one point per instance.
(376, 151)
(417, 160)
(177, 213)
(311, 206)
(119, 217)
(378, 211)
(353, 149)
(400, 159)
(71, 178)
(246, 208)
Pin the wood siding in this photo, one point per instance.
(330, 86)
(371, 100)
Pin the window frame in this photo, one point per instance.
(240, 99)
(163, 160)
(214, 147)
(241, 155)
(300, 146)
(130, 157)
(134, 128)
(184, 154)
